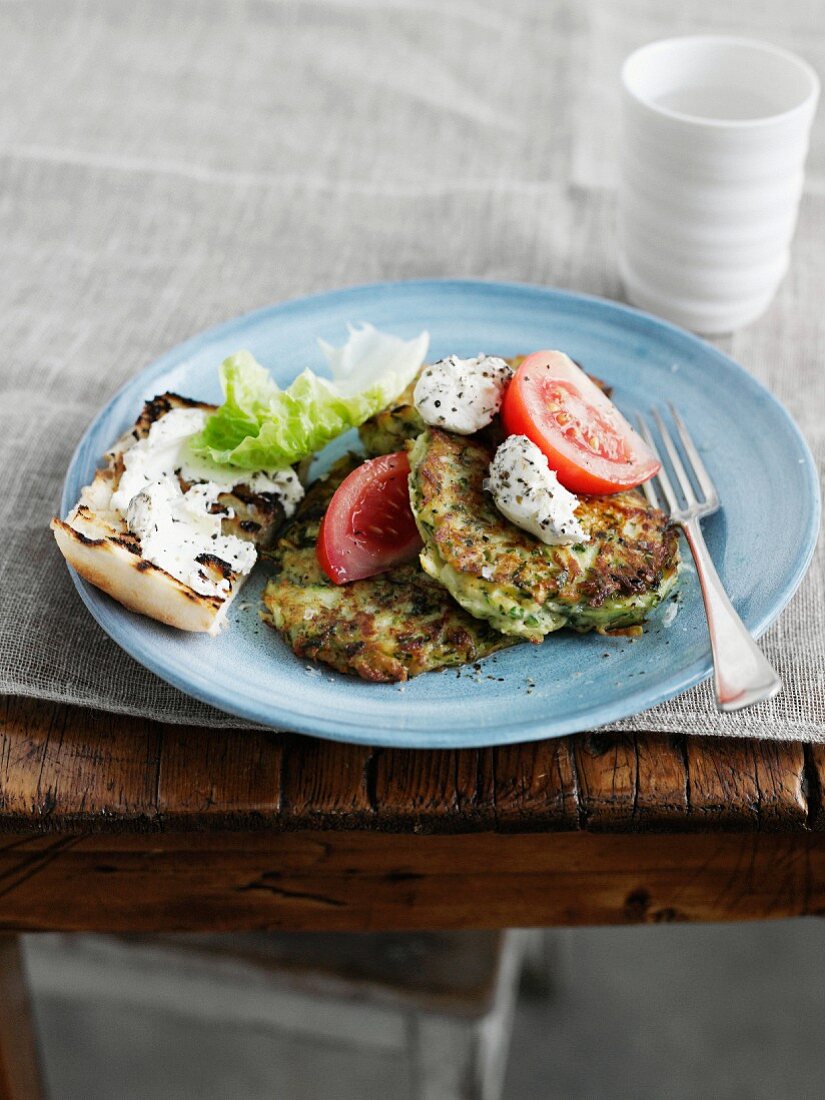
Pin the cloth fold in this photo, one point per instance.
(165, 166)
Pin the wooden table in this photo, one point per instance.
(118, 824)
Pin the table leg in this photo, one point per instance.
(19, 1068)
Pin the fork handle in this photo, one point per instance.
(742, 675)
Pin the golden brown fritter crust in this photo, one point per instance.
(386, 628)
(501, 572)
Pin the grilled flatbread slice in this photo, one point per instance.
(96, 541)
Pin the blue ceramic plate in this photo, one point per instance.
(750, 444)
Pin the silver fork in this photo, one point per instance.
(742, 675)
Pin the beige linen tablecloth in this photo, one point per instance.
(167, 164)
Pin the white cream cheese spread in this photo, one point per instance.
(176, 528)
(462, 395)
(528, 493)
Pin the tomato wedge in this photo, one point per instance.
(586, 439)
(369, 526)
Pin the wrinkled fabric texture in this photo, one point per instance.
(166, 165)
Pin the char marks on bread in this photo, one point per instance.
(96, 541)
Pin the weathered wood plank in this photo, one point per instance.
(632, 781)
(326, 782)
(352, 880)
(723, 787)
(19, 1066)
(661, 782)
(536, 786)
(815, 785)
(61, 766)
(433, 790)
(608, 770)
(745, 784)
(219, 775)
(779, 768)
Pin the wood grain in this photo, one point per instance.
(632, 781)
(436, 791)
(326, 782)
(350, 880)
(746, 784)
(815, 785)
(217, 775)
(64, 769)
(19, 1066)
(61, 766)
(536, 786)
(608, 773)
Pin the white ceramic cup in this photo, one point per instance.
(714, 140)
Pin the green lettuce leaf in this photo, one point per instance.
(259, 426)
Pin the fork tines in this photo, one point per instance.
(690, 505)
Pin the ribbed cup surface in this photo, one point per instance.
(714, 140)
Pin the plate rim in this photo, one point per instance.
(339, 728)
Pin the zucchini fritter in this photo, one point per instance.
(521, 586)
(386, 628)
(389, 430)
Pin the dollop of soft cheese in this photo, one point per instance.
(176, 528)
(462, 395)
(528, 493)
